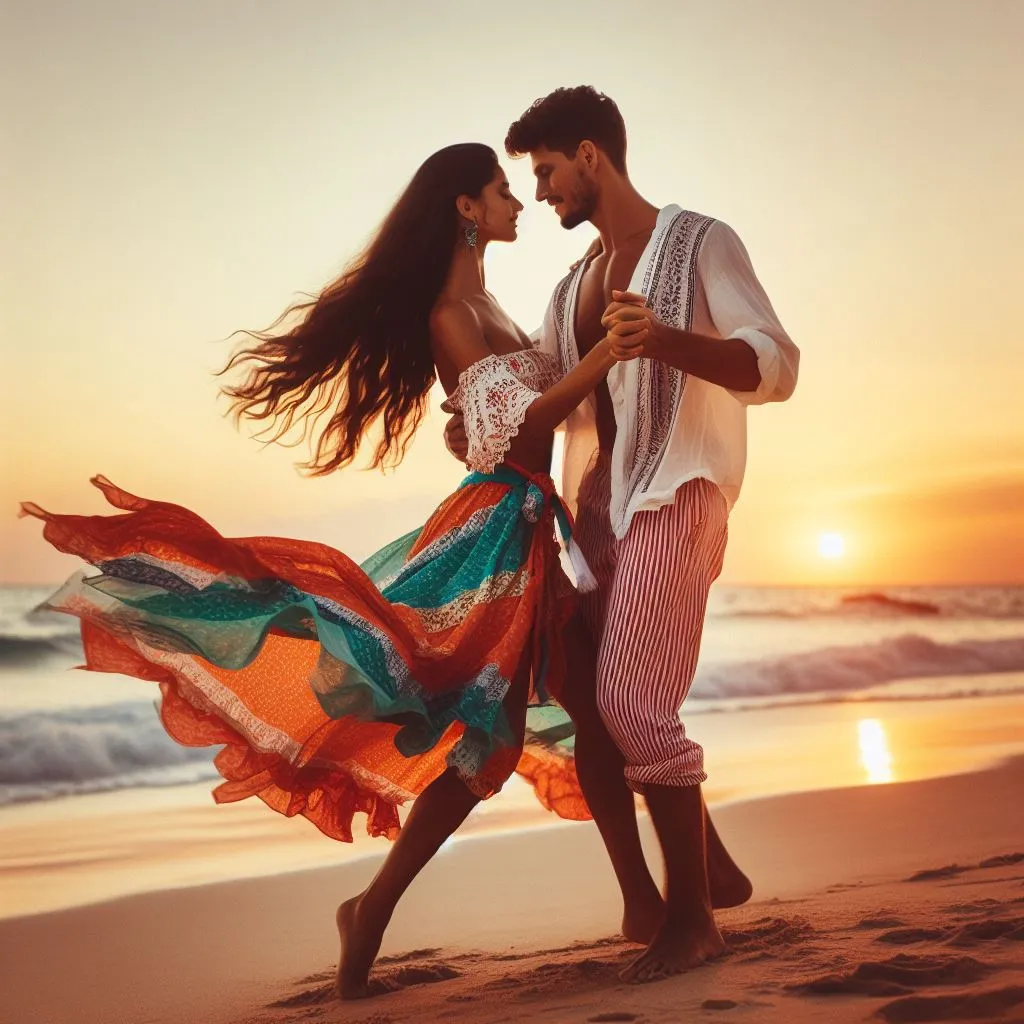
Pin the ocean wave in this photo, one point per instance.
(87, 750)
(122, 745)
(877, 601)
(907, 602)
(875, 696)
(157, 778)
(25, 650)
(845, 669)
(29, 635)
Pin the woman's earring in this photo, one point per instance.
(471, 234)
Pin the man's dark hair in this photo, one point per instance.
(564, 118)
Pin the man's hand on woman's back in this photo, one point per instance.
(455, 437)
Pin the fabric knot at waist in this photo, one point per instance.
(541, 496)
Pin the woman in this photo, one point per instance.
(336, 688)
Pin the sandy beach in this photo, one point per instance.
(848, 753)
(902, 900)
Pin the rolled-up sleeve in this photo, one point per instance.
(740, 309)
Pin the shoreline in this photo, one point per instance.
(85, 850)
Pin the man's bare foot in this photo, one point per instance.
(642, 918)
(679, 946)
(361, 937)
(729, 886)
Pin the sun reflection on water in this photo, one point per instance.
(874, 750)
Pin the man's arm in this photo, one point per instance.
(729, 362)
(754, 358)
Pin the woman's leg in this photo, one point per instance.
(435, 815)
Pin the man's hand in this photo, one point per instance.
(455, 437)
(631, 325)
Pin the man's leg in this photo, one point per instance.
(655, 616)
(689, 936)
(600, 766)
(729, 886)
(599, 762)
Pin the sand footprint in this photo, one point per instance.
(880, 921)
(389, 979)
(403, 958)
(307, 997)
(931, 874)
(899, 975)
(908, 936)
(1011, 928)
(767, 934)
(953, 870)
(969, 1006)
(1003, 860)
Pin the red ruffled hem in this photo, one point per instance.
(329, 798)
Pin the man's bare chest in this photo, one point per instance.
(603, 274)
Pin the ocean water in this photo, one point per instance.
(65, 732)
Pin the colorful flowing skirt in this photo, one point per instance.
(336, 688)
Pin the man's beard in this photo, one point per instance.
(585, 201)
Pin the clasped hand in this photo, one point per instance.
(631, 326)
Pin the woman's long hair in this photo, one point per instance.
(361, 350)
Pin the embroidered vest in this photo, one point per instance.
(648, 391)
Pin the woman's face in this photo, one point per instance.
(497, 210)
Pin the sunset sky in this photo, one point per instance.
(175, 171)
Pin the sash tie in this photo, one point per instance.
(541, 496)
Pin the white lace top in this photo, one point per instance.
(493, 395)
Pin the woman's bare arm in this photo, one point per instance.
(456, 330)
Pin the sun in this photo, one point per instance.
(831, 545)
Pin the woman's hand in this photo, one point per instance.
(628, 339)
(630, 324)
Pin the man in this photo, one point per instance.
(653, 463)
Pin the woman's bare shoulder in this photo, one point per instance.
(456, 334)
(454, 316)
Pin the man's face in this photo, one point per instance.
(565, 184)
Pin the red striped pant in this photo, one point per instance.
(646, 618)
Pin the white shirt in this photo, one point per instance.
(708, 434)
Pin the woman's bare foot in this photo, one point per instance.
(679, 946)
(361, 937)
